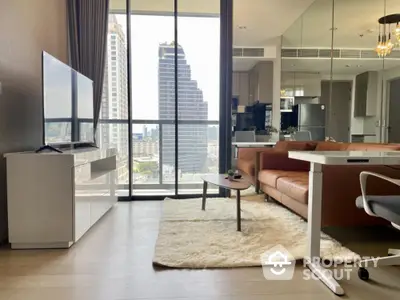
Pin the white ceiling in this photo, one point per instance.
(165, 6)
(262, 18)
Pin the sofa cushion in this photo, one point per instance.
(372, 147)
(295, 145)
(330, 146)
(295, 186)
(270, 177)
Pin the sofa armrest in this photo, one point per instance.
(279, 160)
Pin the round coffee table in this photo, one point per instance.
(221, 181)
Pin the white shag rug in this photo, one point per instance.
(192, 238)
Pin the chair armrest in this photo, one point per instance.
(279, 160)
(363, 182)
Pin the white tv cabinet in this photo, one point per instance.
(54, 198)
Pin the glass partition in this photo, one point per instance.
(345, 56)
(390, 83)
(356, 87)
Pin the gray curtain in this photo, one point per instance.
(88, 25)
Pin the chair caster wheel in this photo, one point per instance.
(363, 274)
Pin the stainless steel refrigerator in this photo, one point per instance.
(310, 117)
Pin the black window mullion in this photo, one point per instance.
(129, 76)
(176, 92)
(225, 124)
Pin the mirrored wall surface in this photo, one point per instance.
(344, 55)
(306, 65)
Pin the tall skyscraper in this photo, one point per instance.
(115, 95)
(192, 138)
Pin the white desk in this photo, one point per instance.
(253, 144)
(317, 159)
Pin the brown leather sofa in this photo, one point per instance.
(286, 180)
(247, 157)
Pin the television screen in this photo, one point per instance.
(67, 103)
(84, 97)
(57, 100)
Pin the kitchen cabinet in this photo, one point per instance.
(366, 94)
(240, 87)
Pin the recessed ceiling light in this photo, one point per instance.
(359, 66)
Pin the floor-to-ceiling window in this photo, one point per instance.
(174, 86)
(112, 131)
(198, 94)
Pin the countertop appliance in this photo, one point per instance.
(310, 117)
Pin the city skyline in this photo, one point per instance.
(203, 59)
(192, 138)
(153, 146)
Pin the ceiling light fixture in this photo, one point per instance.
(396, 32)
(385, 44)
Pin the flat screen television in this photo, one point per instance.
(57, 100)
(84, 97)
(67, 104)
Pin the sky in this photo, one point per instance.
(199, 37)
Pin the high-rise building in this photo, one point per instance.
(192, 138)
(115, 94)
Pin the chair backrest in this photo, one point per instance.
(245, 136)
(302, 136)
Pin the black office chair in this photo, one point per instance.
(386, 207)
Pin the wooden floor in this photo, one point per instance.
(114, 261)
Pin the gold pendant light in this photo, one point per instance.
(396, 33)
(385, 43)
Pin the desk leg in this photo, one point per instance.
(203, 202)
(238, 214)
(312, 260)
